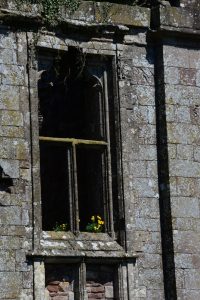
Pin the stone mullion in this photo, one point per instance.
(82, 292)
(75, 189)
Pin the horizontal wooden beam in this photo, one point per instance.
(72, 141)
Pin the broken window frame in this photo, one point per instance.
(73, 185)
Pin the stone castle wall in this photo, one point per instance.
(158, 86)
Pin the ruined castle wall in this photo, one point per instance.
(138, 116)
(182, 114)
(15, 168)
(157, 75)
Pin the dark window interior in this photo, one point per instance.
(91, 184)
(54, 184)
(71, 100)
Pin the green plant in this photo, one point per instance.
(61, 227)
(51, 8)
(96, 224)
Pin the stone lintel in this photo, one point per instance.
(176, 19)
(88, 14)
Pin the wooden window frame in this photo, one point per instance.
(73, 143)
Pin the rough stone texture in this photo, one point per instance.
(184, 167)
(158, 86)
(15, 234)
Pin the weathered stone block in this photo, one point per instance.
(186, 241)
(185, 152)
(150, 261)
(109, 293)
(139, 293)
(175, 57)
(27, 278)
(144, 187)
(182, 133)
(170, 113)
(187, 261)
(152, 294)
(172, 151)
(171, 75)
(197, 153)
(7, 260)
(11, 131)
(22, 150)
(147, 152)
(138, 168)
(10, 215)
(195, 114)
(148, 134)
(9, 97)
(140, 56)
(10, 284)
(147, 224)
(186, 186)
(7, 40)
(180, 278)
(187, 76)
(8, 57)
(194, 58)
(192, 279)
(182, 95)
(12, 118)
(183, 114)
(7, 148)
(10, 167)
(185, 207)
(187, 294)
(151, 277)
(116, 13)
(148, 208)
(141, 76)
(176, 17)
(12, 74)
(152, 169)
(184, 224)
(184, 168)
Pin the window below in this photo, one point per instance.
(80, 281)
(77, 128)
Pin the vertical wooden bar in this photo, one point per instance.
(109, 171)
(75, 180)
(70, 185)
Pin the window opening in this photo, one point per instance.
(101, 282)
(76, 127)
(81, 280)
(61, 281)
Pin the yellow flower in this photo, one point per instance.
(92, 218)
(98, 217)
